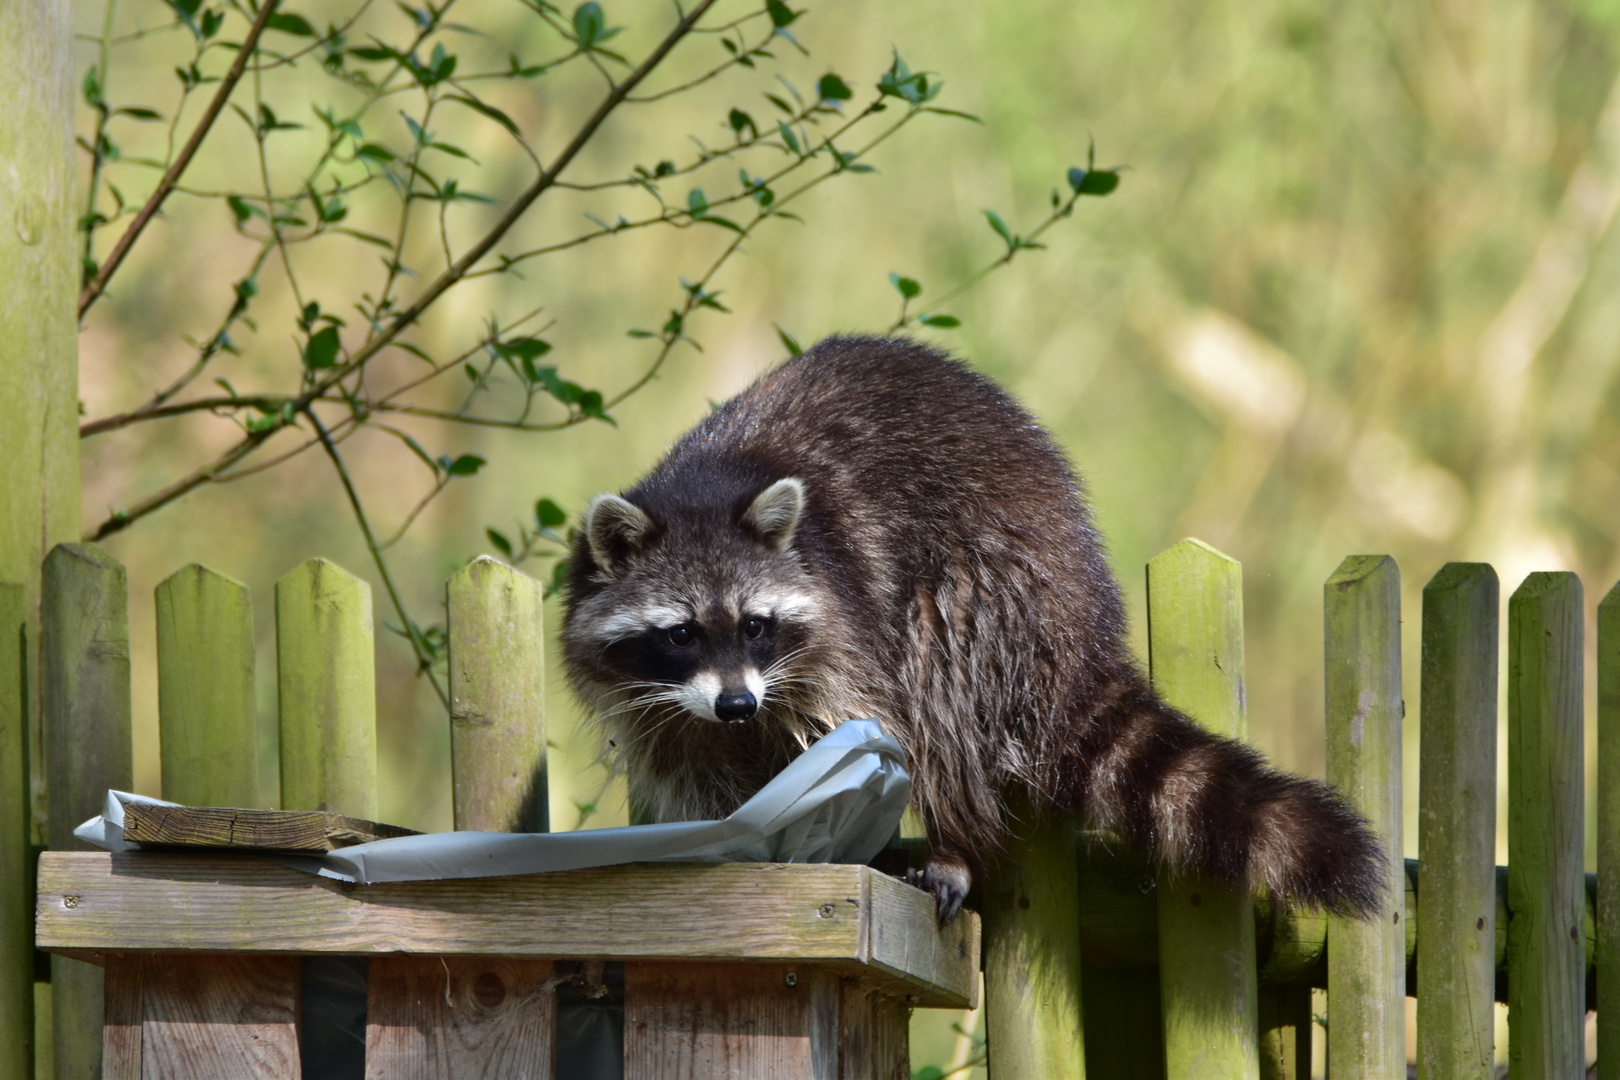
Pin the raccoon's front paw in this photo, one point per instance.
(948, 879)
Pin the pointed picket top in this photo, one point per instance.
(207, 717)
(327, 690)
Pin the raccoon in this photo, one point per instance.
(874, 530)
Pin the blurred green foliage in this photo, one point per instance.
(1356, 294)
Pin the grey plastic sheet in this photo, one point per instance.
(840, 802)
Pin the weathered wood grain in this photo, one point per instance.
(1367, 958)
(497, 698)
(248, 829)
(124, 1005)
(207, 719)
(459, 1018)
(1456, 963)
(16, 863)
(88, 749)
(875, 1035)
(1608, 834)
(327, 691)
(1032, 987)
(205, 1017)
(1208, 987)
(1545, 829)
(93, 901)
(685, 1021)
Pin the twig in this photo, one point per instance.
(171, 176)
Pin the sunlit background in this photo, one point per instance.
(1356, 293)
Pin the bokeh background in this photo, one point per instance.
(1357, 292)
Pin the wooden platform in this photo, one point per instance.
(770, 969)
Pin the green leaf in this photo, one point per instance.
(529, 348)
(465, 465)
(697, 203)
(940, 322)
(290, 24)
(640, 334)
(590, 25)
(501, 543)
(322, 350)
(832, 88)
(789, 342)
(1098, 182)
(929, 1072)
(1000, 226)
(242, 208)
(739, 120)
(488, 110)
(906, 287)
(374, 152)
(789, 138)
(375, 52)
(954, 112)
(781, 15)
(590, 404)
(370, 238)
(548, 514)
(138, 112)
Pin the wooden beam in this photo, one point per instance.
(430, 1017)
(855, 919)
(16, 856)
(246, 829)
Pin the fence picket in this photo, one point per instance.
(16, 868)
(1367, 958)
(497, 698)
(1456, 959)
(1546, 888)
(327, 693)
(1208, 986)
(1608, 837)
(207, 720)
(85, 699)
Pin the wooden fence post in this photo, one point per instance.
(85, 685)
(1456, 947)
(423, 1018)
(1608, 837)
(497, 698)
(1367, 959)
(207, 718)
(327, 680)
(16, 867)
(1546, 886)
(1031, 913)
(1206, 933)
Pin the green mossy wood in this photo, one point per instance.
(1367, 958)
(497, 698)
(1030, 909)
(85, 683)
(207, 718)
(1608, 834)
(1546, 888)
(1208, 986)
(1456, 948)
(16, 865)
(326, 678)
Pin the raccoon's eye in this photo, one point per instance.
(754, 627)
(680, 635)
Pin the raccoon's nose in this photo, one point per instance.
(734, 708)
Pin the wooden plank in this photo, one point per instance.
(207, 718)
(1545, 828)
(16, 860)
(730, 1020)
(1367, 958)
(327, 694)
(86, 706)
(93, 901)
(459, 1018)
(1032, 988)
(1208, 985)
(239, 828)
(213, 1016)
(875, 1033)
(1456, 968)
(497, 698)
(124, 1003)
(1608, 834)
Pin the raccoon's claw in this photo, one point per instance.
(948, 880)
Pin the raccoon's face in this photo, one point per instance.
(706, 616)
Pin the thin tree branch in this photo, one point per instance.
(171, 176)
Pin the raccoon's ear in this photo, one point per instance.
(615, 528)
(774, 514)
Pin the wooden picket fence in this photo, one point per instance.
(1172, 978)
